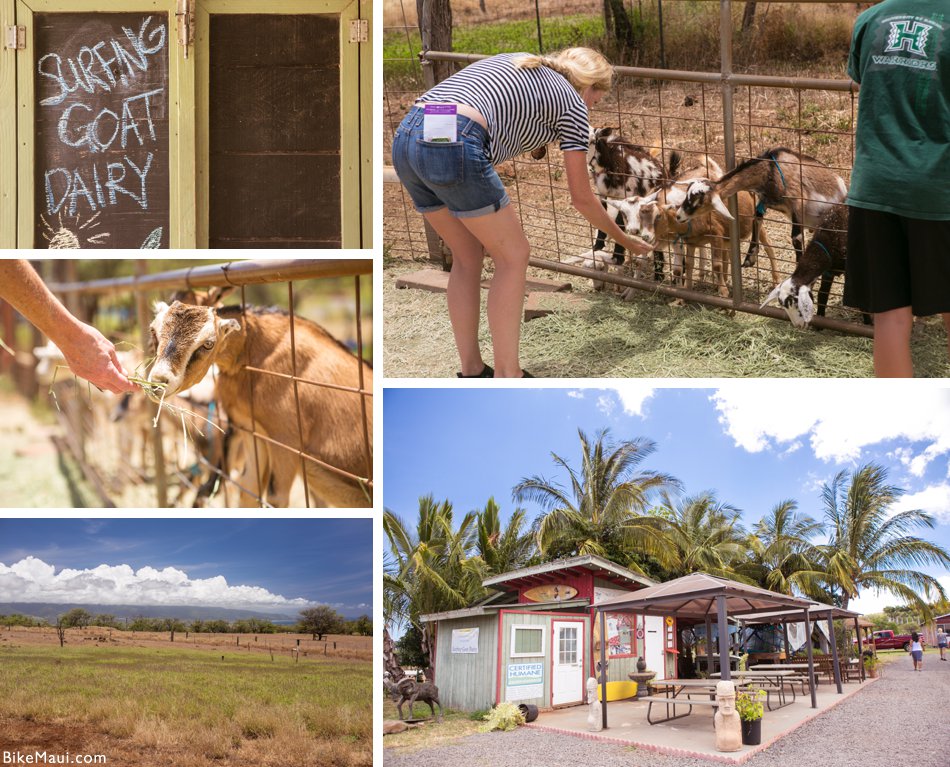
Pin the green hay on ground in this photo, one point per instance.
(648, 337)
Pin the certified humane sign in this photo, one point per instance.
(524, 681)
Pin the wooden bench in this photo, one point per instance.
(674, 702)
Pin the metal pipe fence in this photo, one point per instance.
(192, 459)
(725, 115)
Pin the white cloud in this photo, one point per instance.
(32, 580)
(837, 418)
(606, 404)
(874, 602)
(633, 396)
(575, 393)
(934, 499)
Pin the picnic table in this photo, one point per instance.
(776, 681)
(673, 690)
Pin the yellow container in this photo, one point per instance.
(618, 691)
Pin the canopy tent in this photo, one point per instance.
(819, 611)
(700, 596)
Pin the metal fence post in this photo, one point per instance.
(158, 449)
(729, 139)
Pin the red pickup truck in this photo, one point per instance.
(888, 640)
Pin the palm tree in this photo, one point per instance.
(430, 568)
(601, 512)
(700, 534)
(503, 550)
(870, 547)
(782, 554)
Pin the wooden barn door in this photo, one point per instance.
(96, 134)
(278, 96)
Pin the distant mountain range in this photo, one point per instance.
(51, 612)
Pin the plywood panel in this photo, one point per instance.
(274, 131)
(101, 130)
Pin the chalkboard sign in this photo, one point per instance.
(101, 122)
(274, 128)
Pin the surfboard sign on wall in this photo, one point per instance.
(557, 592)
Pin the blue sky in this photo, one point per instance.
(275, 564)
(755, 443)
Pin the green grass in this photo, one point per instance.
(400, 53)
(454, 726)
(194, 697)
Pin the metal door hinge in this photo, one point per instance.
(359, 31)
(15, 38)
(185, 16)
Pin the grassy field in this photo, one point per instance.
(194, 707)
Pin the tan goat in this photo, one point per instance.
(189, 339)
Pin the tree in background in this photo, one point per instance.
(78, 618)
(700, 534)
(362, 626)
(429, 568)
(507, 548)
(320, 621)
(61, 626)
(603, 509)
(870, 546)
(781, 554)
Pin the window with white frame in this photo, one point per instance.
(527, 641)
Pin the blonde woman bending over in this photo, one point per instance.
(504, 105)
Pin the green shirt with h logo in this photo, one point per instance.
(900, 55)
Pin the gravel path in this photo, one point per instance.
(901, 720)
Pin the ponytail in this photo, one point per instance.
(581, 67)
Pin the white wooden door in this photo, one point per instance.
(653, 652)
(567, 677)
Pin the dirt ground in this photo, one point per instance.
(33, 474)
(333, 646)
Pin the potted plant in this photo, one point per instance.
(749, 705)
(871, 662)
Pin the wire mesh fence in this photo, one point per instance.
(283, 416)
(722, 115)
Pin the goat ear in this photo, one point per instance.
(806, 306)
(215, 295)
(651, 197)
(773, 296)
(227, 327)
(720, 206)
(159, 307)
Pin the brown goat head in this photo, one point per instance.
(187, 341)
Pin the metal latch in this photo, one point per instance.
(359, 31)
(185, 14)
(15, 38)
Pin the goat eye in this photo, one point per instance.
(209, 344)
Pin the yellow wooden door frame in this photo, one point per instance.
(178, 119)
(350, 102)
(8, 174)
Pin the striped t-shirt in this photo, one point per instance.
(524, 108)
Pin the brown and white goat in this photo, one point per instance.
(825, 257)
(189, 339)
(792, 183)
(620, 169)
(658, 224)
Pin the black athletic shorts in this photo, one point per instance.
(895, 261)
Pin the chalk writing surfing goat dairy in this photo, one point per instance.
(101, 85)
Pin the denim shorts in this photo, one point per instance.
(458, 175)
(917, 655)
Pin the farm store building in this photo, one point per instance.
(534, 640)
(185, 123)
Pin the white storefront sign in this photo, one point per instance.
(464, 640)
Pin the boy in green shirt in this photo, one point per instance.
(899, 225)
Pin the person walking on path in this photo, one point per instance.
(942, 643)
(88, 353)
(496, 109)
(899, 201)
(917, 651)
